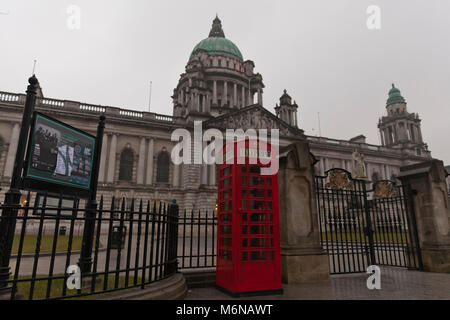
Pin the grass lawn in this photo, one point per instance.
(29, 243)
(380, 237)
(40, 287)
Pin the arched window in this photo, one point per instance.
(162, 173)
(126, 165)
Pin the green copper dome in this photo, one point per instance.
(394, 96)
(216, 43)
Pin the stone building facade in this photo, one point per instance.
(218, 88)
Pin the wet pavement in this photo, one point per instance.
(396, 284)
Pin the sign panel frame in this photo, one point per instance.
(68, 205)
(36, 176)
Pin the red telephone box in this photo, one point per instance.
(248, 243)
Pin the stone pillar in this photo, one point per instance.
(326, 165)
(225, 94)
(141, 162)
(101, 174)
(322, 166)
(197, 100)
(215, 93)
(212, 174)
(204, 175)
(176, 175)
(368, 169)
(260, 98)
(149, 178)
(9, 165)
(302, 257)
(426, 180)
(419, 133)
(112, 159)
(385, 172)
(243, 97)
(207, 103)
(250, 97)
(296, 118)
(235, 102)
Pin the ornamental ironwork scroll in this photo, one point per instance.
(385, 189)
(339, 180)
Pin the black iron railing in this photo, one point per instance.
(134, 244)
(197, 243)
(360, 226)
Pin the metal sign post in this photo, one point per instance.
(12, 197)
(91, 206)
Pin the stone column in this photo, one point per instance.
(225, 94)
(149, 178)
(243, 97)
(419, 133)
(207, 103)
(326, 164)
(101, 174)
(204, 174)
(250, 97)
(426, 180)
(302, 257)
(9, 165)
(176, 175)
(141, 162)
(215, 92)
(235, 103)
(296, 118)
(368, 174)
(260, 98)
(112, 159)
(212, 174)
(322, 166)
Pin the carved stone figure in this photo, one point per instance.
(358, 168)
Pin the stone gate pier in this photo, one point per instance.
(302, 257)
(426, 181)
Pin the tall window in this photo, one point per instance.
(126, 165)
(162, 174)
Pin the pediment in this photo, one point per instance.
(253, 117)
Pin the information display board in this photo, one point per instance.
(59, 157)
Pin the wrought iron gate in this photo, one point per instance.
(361, 227)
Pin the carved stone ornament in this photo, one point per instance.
(385, 189)
(251, 119)
(339, 180)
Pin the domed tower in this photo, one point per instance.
(217, 79)
(287, 111)
(401, 129)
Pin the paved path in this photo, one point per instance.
(396, 283)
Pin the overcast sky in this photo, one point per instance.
(320, 51)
